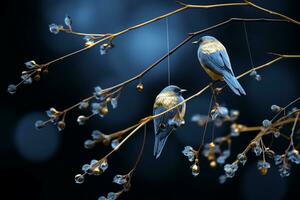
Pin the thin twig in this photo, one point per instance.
(152, 117)
(84, 34)
(293, 130)
(272, 12)
(265, 131)
(238, 77)
(284, 108)
(141, 150)
(186, 40)
(128, 136)
(184, 7)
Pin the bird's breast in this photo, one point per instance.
(211, 47)
(214, 76)
(181, 113)
(166, 100)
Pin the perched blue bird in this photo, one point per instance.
(164, 125)
(215, 61)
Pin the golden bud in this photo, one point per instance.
(211, 145)
(195, 169)
(263, 171)
(108, 99)
(213, 110)
(37, 77)
(61, 125)
(213, 164)
(105, 45)
(54, 111)
(211, 156)
(237, 127)
(140, 87)
(103, 110)
(89, 43)
(97, 171)
(296, 152)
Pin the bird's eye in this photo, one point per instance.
(162, 126)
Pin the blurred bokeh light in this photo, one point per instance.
(33, 145)
(42, 164)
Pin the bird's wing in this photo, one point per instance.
(180, 110)
(218, 61)
(164, 102)
(162, 128)
(161, 123)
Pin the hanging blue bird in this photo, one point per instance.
(215, 61)
(168, 122)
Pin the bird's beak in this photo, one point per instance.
(195, 42)
(183, 90)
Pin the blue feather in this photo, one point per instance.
(219, 63)
(165, 124)
(161, 133)
(233, 83)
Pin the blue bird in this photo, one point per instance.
(167, 123)
(215, 61)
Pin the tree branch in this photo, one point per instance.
(184, 7)
(183, 42)
(152, 117)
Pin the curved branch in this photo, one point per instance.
(183, 42)
(152, 117)
(272, 12)
(238, 77)
(183, 8)
(186, 40)
(110, 37)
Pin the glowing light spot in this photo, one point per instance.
(33, 145)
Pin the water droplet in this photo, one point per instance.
(79, 179)
(54, 28)
(114, 143)
(39, 124)
(11, 89)
(88, 144)
(68, 20)
(61, 125)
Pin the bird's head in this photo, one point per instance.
(205, 39)
(173, 88)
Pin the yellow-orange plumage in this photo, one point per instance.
(214, 59)
(212, 74)
(169, 100)
(168, 122)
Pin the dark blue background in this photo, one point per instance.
(42, 165)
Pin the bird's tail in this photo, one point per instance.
(233, 83)
(160, 141)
